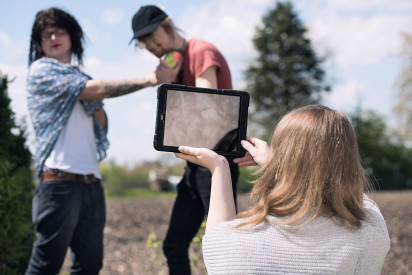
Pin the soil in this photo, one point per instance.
(130, 222)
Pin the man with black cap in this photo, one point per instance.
(203, 66)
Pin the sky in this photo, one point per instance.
(361, 40)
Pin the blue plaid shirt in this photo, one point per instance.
(53, 89)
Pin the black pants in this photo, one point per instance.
(191, 205)
(68, 214)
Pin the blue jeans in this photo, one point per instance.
(191, 205)
(68, 214)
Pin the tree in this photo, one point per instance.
(286, 73)
(403, 107)
(386, 159)
(16, 191)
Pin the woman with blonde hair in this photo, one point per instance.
(310, 213)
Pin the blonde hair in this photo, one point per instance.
(169, 27)
(314, 169)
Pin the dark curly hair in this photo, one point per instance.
(60, 19)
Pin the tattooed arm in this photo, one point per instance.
(99, 89)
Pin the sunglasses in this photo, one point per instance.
(46, 36)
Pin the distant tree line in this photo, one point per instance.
(119, 179)
(385, 156)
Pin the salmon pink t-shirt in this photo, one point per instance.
(200, 55)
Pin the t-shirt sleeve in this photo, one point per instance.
(205, 56)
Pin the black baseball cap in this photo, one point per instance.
(146, 20)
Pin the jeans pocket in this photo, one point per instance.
(51, 197)
(61, 188)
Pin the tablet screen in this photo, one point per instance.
(201, 120)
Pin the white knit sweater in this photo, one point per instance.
(320, 247)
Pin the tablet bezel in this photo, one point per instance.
(161, 112)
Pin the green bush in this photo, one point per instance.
(16, 191)
(118, 180)
(114, 178)
(122, 181)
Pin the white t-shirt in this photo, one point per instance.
(75, 149)
(319, 247)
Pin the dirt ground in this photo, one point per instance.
(131, 221)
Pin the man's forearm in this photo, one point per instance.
(99, 89)
(114, 88)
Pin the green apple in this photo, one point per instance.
(170, 59)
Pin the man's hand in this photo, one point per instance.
(165, 74)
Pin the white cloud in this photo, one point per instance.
(359, 41)
(367, 5)
(11, 50)
(111, 16)
(346, 96)
(221, 24)
(358, 33)
(134, 65)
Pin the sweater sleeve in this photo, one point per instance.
(375, 238)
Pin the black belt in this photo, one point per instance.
(64, 176)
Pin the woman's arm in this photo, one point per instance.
(222, 203)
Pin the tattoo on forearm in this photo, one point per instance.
(116, 88)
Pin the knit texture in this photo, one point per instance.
(320, 247)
